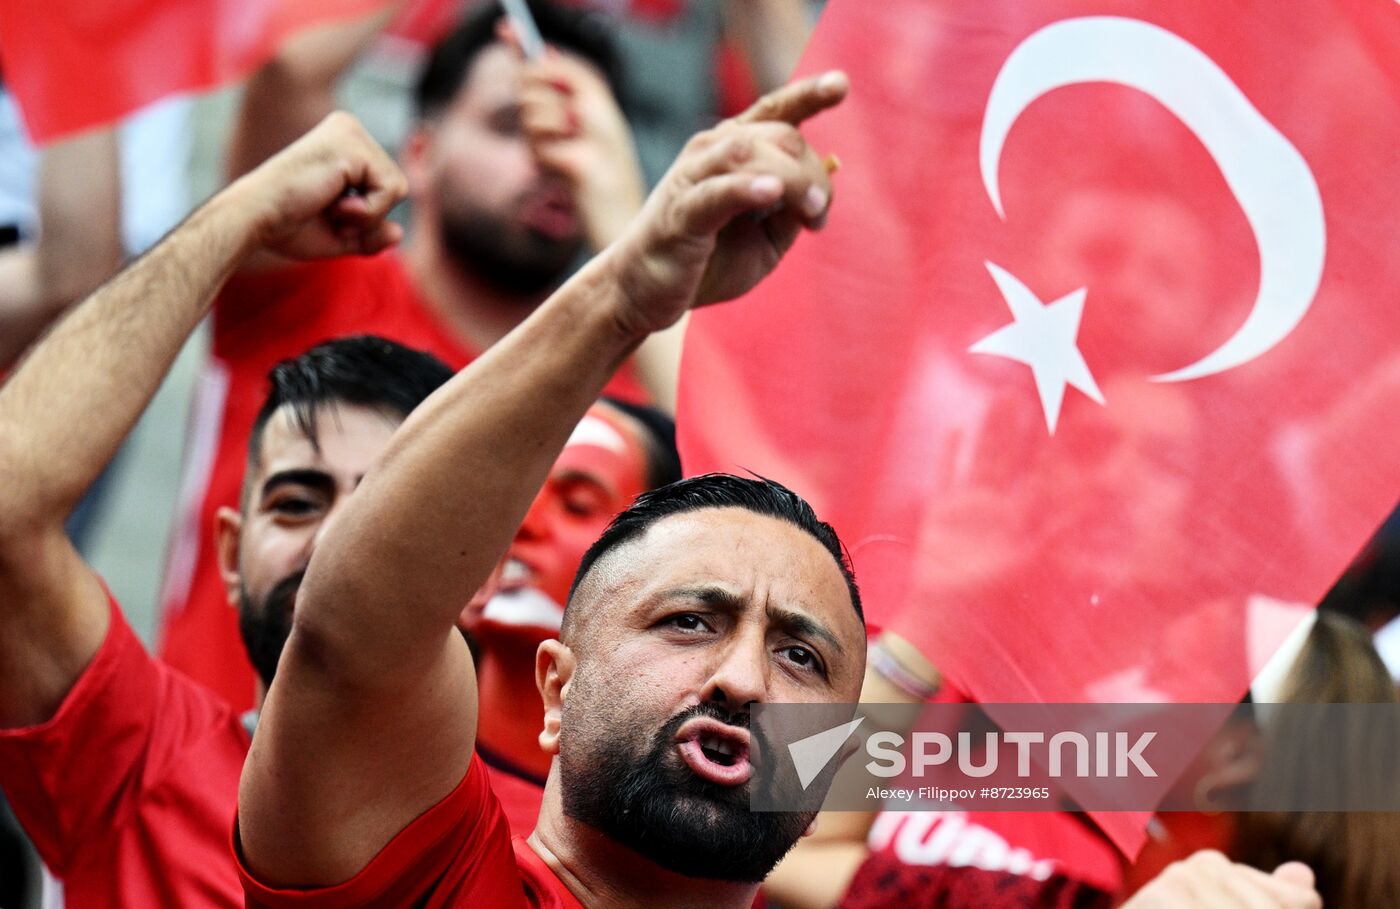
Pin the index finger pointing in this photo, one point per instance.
(800, 100)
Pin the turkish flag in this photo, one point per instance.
(77, 64)
(1096, 364)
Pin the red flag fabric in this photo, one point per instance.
(75, 64)
(424, 22)
(1094, 366)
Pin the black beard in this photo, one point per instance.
(266, 626)
(528, 268)
(667, 814)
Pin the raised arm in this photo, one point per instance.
(74, 399)
(374, 674)
(79, 244)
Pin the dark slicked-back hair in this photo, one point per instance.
(718, 490)
(579, 31)
(365, 370)
(658, 438)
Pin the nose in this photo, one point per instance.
(740, 678)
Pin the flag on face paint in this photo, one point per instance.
(1095, 366)
(78, 64)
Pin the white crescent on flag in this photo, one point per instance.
(1267, 175)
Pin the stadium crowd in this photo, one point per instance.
(444, 625)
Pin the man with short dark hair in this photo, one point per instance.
(333, 405)
(514, 169)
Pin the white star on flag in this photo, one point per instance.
(1043, 336)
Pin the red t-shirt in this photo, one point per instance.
(985, 860)
(520, 798)
(459, 853)
(259, 320)
(128, 790)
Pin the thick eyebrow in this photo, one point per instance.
(799, 625)
(795, 623)
(318, 480)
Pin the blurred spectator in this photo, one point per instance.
(514, 169)
(1355, 855)
(687, 62)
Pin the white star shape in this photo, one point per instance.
(1043, 336)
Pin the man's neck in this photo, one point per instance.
(603, 874)
(478, 312)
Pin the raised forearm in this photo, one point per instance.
(432, 519)
(69, 406)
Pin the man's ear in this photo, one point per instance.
(554, 669)
(229, 530)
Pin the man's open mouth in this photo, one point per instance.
(714, 751)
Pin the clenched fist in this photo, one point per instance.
(327, 194)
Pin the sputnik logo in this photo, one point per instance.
(1266, 174)
(810, 755)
